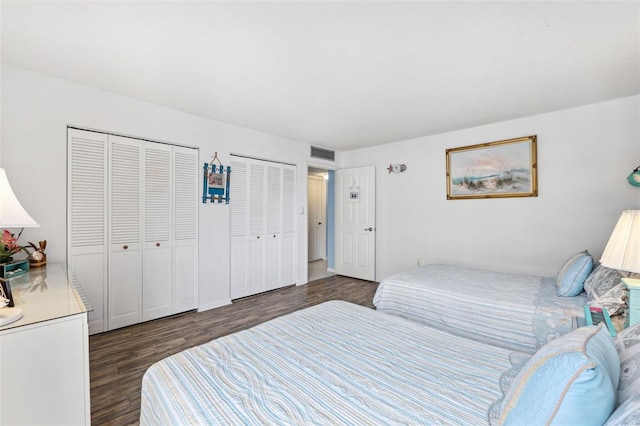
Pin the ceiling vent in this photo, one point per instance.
(325, 154)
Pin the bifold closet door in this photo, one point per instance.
(186, 175)
(273, 202)
(132, 227)
(288, 225)
(125, 236)
(262, 226)
(171, 230)
(157, 291)
(86, 219)
(239, 239)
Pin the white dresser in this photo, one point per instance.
(44, 356)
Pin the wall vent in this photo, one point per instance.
(325, 154)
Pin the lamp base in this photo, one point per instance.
(9, 315)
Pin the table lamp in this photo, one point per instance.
(623, 253)
(12, 215)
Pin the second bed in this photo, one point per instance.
(515, 311)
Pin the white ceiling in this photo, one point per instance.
(337, 74)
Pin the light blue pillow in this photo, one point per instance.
(572, 380)
(573, 273)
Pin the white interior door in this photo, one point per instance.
(355, 223)
(317, 194)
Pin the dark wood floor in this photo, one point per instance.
(119, 358)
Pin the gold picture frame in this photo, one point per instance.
(506, 168)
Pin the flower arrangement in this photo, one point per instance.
(9, 246)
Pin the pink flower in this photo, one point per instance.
(9, 241)
(9, 244)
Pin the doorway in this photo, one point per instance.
(320, 218)
(355, 226)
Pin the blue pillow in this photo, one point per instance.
(573, 273)
(572, 380)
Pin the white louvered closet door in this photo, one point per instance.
(288, 225)
(86, 221)
(262, 226)
(125, 236)
(157, 289)
(186, 172)
(239, 244)
(132, 227)
(274, 227)
(257, 226)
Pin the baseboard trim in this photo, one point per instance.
(214, 304)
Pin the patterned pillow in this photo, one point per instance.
(573, 273)
(603, 286)
(627, 414)
(628, 346)
(571, 380)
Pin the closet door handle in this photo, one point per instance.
(157, 244)
(125, 247)
(258, 237)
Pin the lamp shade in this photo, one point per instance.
(623, 249)
(12, 214)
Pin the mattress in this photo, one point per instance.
(514, 311)
(334, 363)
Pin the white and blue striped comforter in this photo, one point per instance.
(334, 363)
(515, 311)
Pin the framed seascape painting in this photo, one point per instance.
(505, 168)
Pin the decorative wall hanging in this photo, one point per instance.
(634, 177)
(396, 168)
(354, 193)
(506, 168)
(215, 185)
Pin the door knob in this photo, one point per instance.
(368, 229)
(319, 223)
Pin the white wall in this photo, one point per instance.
(36, 110)
(584, 157)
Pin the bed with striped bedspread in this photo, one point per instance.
(515, 311)
(334, 363)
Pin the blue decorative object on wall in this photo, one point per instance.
(634, 177)
(216, 179)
